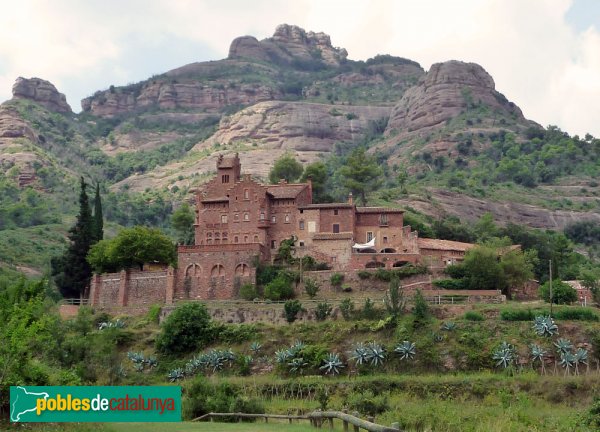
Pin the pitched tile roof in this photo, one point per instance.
(327, 205)
(283, 191)
(426, 243)
(378, 210)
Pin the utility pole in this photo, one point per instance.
(551, 297)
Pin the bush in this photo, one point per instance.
(279, 288)
(154, 313)
(188, 328)
(311, 287)
(367, 403)
(421, 309)
(368, 310)
(474, 316)
(347, 309)
(248, 291)
(364, 274)
(236, 333)
(336, 279)
(451, 284)
(573, 314)
(579, 314)
(517, 315)
(562, 293)
(291, 309)
(323, 311)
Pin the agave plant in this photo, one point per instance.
(563, 346)
(227, 355)
(283, 355)
(360, 354)
(449, 326)
(215, 360)
(567, 361)
(135, 357)
(176, 375)
(537, 354)
(111, 324)
(438, 337)
(255, 347)
(332, 364)
(375, 354)
(580, 357)
(297, 365)
(297, 347)
(406, 350)
(504, 355)
(545, 326)
(150, 362)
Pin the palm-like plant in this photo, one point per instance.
(504, 355)
(406, 350)
(567, 361)
(360, 354)
(538, 354)
(545, 326)
(563, 346)
(375, 354)
(332, 364)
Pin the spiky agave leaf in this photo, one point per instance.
(297, 347)
(359, 353)
(135, 357)
(332, 364)
(283, 355)
(537, 353)
(406, 350)
(567, 360)
(375, 354)
(545, 326)
(563, 346)
(215, 360)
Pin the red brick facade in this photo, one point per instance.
(239, 221)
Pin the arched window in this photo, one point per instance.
(192, 270)
(374, 264)
(255, 238)
(242, 270)
(217, 271)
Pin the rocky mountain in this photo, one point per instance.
(42, 92)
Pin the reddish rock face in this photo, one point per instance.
(443, 93)
(42, 92)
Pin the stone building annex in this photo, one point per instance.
(239, 219)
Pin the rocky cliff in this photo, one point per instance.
(289, 44)
(42, 92)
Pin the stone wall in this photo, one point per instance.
(130, 288)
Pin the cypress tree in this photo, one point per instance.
(98, 223)
(71, 271)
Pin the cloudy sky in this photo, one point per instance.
(543, 54)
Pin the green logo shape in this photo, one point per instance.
(95, 404)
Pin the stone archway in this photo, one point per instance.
(191, 283)
(242, 270)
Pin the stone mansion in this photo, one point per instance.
(239, 220)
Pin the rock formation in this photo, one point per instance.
(42, 92)
(445, 91)
(288, 43)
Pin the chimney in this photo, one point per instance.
(350, 200)
(310, 191)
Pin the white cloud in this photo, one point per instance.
(550, 69)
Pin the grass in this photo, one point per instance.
(258, 426)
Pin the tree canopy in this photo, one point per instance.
(287, 168)
(182, 220)
(317, 172)
(132, 247)
(361, 174)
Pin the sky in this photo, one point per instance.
(544, 55)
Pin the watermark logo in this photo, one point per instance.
(95, 404)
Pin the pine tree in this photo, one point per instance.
(98, 222)
(361, 174)
(71, 271)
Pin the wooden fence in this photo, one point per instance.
(316, 419)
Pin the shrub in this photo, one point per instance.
(323, 311)
(336, 279)
(451, 284)
(311, 287)
(517, 315)
(394, 299)
(154, 313)
(291, 309)
(580, 314)
(279, 288)
(562, 293)
(347, 309)
(421, 310)
(236, 333)
(574, 314)
(367, 403)
(364, 274)
(474, 316)
(248, 291)
(368, 310)
(188, 328)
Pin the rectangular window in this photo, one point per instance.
(301, 225)
(225, 178)
(262, 216)
(287, 218)
(246, 217)
(223, 219)
(335, 212)
(246, 194)
(273, 219)
(273, 244)
(383, 219)
(369, 236)
(336, 228)
(385, 239)
(301, 243)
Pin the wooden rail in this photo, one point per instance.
(316, 418)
